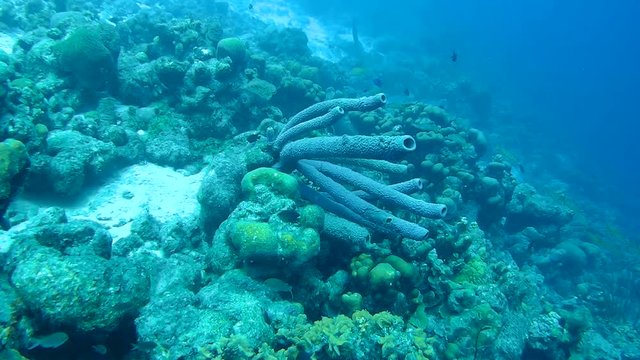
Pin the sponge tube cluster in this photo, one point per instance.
(322, 161)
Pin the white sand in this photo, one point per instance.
(165, 192)
(6, 43)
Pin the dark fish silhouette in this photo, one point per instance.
(289, 215)
(406, 92)
(50, 341)
(144, 346)
(377, 82)
(454, 56)
(250, 6)
(354, 31)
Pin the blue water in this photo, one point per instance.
(568, 70)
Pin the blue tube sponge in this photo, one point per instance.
(374, 215)
(382, 166)
(318, 122)
(366, 103)
(323, 160)
(383, 192)
(406, 187)
(358, 146)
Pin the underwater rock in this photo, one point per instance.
(13, 160)
(169, 149)
(77, 291)
(10, 310)
(288, 42)
(37, 61)
(175, 273)
(171, 72)
(262, 91)
(76, 237)
(233, 306)
(270, 228)
(138, 81)
(547, 336)
(220, 189)
(180, 234)
(478, 139)
(270, 231)
(528, 208)
(594, 346)
(72, 159)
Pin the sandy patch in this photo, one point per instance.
(6, 43)
(165, 192)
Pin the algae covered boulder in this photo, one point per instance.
(13, 161)
(71, 161)
(62, 271)
(261, 91)
(528, 208)
(78, 291)
(262, 243)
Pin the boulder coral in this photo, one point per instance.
(90, 54)
(234, 48)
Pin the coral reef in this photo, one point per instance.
(322, 218)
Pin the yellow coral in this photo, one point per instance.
(13, 158)
(253, 239)
(276, 181)
(474, 272)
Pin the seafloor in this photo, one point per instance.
(154, 205)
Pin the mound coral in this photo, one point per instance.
(90, 54)
(233, 48)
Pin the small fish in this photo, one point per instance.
(266, 317)
(50, 341)
(144, 346)
(354, 31)
(253, 137)
(289, 215)
(100, 349)
(406, 92)
(517, 172)
(377, 82)
(454, 56)
(279, 286)
(250, 6)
